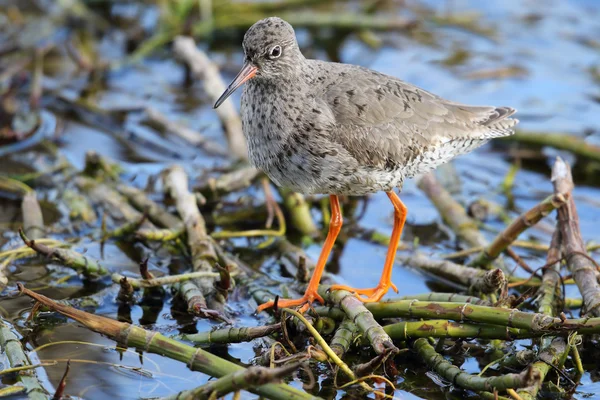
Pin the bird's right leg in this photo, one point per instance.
(335, 225)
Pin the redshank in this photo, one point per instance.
(338, 129)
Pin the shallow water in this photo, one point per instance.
(551, 42)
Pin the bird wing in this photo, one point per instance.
(388, 119)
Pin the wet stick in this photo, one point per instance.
(164, 280)
(474, 279)
(359, 315)
(11, 345)
(343, 337)
(582, 267)
(446, 297)
(299, 212)
(201, 247)
(466, 312)
(69, 258)
(154, 342)
(230, 335)
(162, 122)
(156, 213)
(238, 179)
(465, 380)
(236, 381)
(439, 328)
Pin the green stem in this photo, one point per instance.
(299, 212)
(343, 337)
(164, 280)
(17, 358)
(465, 380)
(361, 317)
(559, 141)
(230, 335)
(69, 258)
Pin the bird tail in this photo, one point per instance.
(499, 122)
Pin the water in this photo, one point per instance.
(551, 44)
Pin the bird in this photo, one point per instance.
(318, 127)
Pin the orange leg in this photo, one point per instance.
(385, 283)
(335, 225)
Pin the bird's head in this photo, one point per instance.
(270, 51)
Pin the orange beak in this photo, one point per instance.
(247, 72)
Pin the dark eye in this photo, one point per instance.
(275, 51)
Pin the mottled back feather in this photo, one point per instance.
(393, 121)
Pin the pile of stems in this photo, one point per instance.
(553, 350)
(154, 342)
(356, 312)
(111, 201)
(466, 312)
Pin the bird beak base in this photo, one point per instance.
(247, 72)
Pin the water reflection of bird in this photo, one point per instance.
(339, 129)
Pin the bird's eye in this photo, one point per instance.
(275, 51)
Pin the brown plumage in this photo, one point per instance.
(322, 127)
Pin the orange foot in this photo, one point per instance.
(305, 301)
(373, 295)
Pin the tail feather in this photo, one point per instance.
(499, 122)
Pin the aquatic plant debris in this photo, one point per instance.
(141, 240)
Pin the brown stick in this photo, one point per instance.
(580, 264)
(518, 226)
(475, 279)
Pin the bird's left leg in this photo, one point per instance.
(385, 283)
